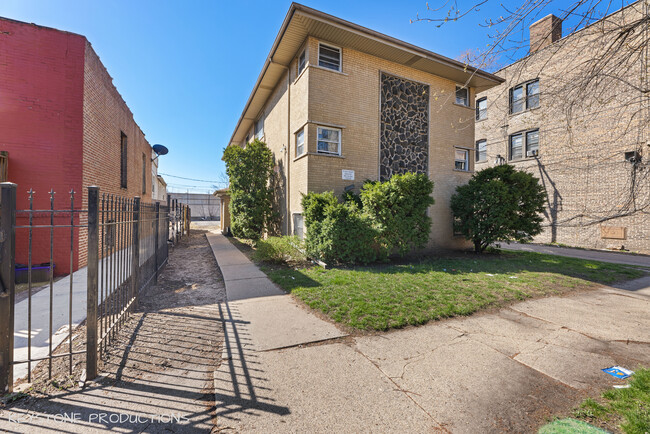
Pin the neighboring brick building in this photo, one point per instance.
(573, 112)
(339, 104)
(65, 127)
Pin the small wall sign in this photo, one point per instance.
(612, 232)
(348, 175)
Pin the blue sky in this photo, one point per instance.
(187, 68)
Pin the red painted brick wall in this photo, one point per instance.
(61, 119)
(41, 125)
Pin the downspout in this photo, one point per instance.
(288, 190)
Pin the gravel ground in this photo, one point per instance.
(161, 363)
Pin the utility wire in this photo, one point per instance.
(193, 179)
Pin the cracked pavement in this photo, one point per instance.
(508, 370)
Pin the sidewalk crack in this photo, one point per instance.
(405, 392)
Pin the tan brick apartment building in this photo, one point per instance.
(339, 104)
(573, 112)
(64, 126)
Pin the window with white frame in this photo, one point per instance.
(302, 61)
(329, 57)
(259, 128)
(524, 96)
(481, 150)
(300, 142)
(462, 96)
(523, 144)
(461, 160)
(329, 141)
(481, 108)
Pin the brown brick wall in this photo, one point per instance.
(105, 117)
(350, 100)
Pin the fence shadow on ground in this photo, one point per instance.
(239, 382)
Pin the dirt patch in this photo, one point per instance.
(169, 347)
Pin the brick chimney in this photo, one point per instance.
(544, 32)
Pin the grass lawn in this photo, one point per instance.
(381, 297)
(626, 410)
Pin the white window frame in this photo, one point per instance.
(304, 148)
(465, 161)
(333, 47)
(466, 89)
(259, 134)
(302, 53)
(318, 130)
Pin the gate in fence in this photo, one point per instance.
(88, 260)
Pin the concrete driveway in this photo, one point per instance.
(595, 255)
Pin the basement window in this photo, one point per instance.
(329, 141)
(298, 226)
(329, 57)
(461, 160)
(462, 96)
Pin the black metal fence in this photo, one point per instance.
(123, 244)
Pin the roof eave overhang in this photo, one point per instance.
(418, 58)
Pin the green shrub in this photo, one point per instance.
(398, 210)
(279, 249)
(313, 206)
(249, 170)
(351, 198)
(498, 204)
(345, 236)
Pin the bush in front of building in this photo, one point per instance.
(249, 170)
(498, 204)
(386, 217)
(398, 210)
(345, 235)
(279, 250)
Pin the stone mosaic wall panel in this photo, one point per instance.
(404, 129)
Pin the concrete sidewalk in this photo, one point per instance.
(504, 371)
(595, 255)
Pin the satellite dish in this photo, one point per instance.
(160, 149)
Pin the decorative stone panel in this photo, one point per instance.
(404, 129)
